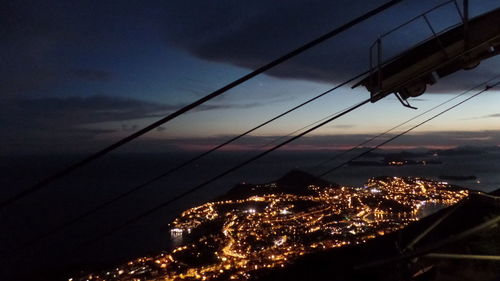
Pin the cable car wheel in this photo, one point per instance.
(471, 64)
(414, 89)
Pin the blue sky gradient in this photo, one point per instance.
(79, 75)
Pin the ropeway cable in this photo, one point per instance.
(234, 168)
(303, 128)
(421, 252)
(337, 156)
(109, 202)
(487, 88)
(137, 188)
(296, 137)
(45, 182)
(170, 171)
(178, 167)
(185, 193)
(147, 183)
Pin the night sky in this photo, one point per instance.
(78, 75)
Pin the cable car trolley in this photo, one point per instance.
(462, 46)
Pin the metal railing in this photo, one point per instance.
(376, 50)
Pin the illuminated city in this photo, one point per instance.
(231, 239)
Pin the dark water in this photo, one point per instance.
(117, 173)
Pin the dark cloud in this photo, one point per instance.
(333, 142)
(91, 75)
(207, 107)
(48, 45)
(48, 124)
(492, 115)
(43, 39)
(95, 109)
(416, 139)
(54, 120)
(129, 128)
(496, 115)
(343, 126)
(249, 34)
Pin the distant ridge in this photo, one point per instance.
(295, 182)
(495, 192)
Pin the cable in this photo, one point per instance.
(147, 183)
(279, 138)
(305, 127)
(208, 97)
(429, 229)
(480, 227)
(248, 161)
(401, 124)
(166, 203)
(109, 202)
(186, 163)
(404, 132)
(462, 256)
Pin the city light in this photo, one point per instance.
(232, 239)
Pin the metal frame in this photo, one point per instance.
(376, 47)
(462, 256)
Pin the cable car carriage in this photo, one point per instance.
(462, 46)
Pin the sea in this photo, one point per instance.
(30, 249)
